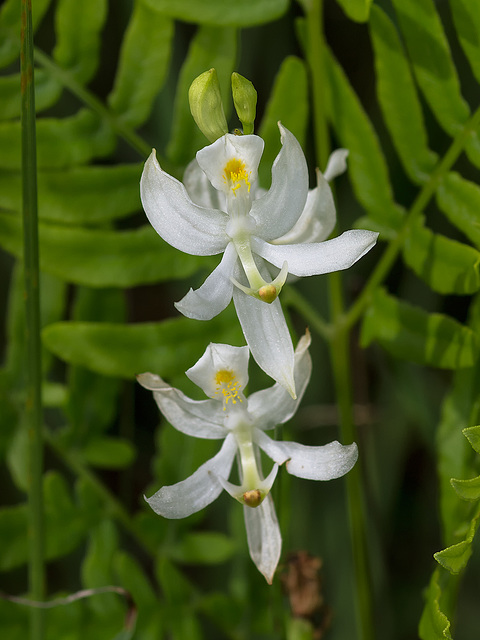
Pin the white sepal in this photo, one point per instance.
(215, 293)
(197, 418)
(198, 490)
(326, 462)
(186, 226)
(279, 209)
(264, 538)
(318, 257)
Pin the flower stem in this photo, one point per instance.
(339, 338)
(34, 414)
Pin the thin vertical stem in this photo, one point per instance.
(340, 357)
(340, 338)
(32, 312)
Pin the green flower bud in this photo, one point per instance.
(206, 105)
(245, 101)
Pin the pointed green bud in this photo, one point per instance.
(206, 105)
(245, 101)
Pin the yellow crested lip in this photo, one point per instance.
(235, 173)
(228, 385)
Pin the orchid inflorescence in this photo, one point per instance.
(264, 236)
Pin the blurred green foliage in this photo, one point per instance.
(401, 93)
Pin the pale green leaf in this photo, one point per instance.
(453, 452)
(143, 64)
(97, 569)
(466, 17)
(432, 62)
(78, 27)
(367, 168)
(202, 548)
(81, 195)
(434, 624)
(212, 47)
(108, 453)
(222, 12)
(167, 348)
(459, 199)
(473, 436)
(401, 108)
(115, 259)
(426, 338)
(60, 142)
(288, 103)
(92, 402)
(447, 266)
(456, 557)
(357, 10)
(467, 489)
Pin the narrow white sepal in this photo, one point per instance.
(264, 538)
(179, 221)
(215, 293)
(198, 490)
(318, 257)
(326, 462)
(336, 165)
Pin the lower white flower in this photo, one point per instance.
(222, 373)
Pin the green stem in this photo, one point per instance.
(68, 81)
(340, 356)
(291, 297)
(34, 414)
(339, 339)
(392, 251)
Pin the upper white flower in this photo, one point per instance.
(222, 373)
(220, 209)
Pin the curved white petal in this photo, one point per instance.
(198, 490)
(278, 210)
(200, 189)
(327, 462)
(197, 418)
(267, 336)
(180, 222)
(215, 293)
(220, 357)
(212, 159)
(275, 405)
(318, 217)
(264, 538)
(336, 165)
(318, 257)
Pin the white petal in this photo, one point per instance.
(198, 490)
(180, 222)
(336, 165)
(214, 294)
(330, 461)
(267, 336)
(219, 357)
(200, 189)
(318, 257)
(212, 159)
(318, 217)
(197, 418)
(275, 405)
(279, 209)
(264, 538)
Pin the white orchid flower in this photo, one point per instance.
(245, 229)
(222, 373)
